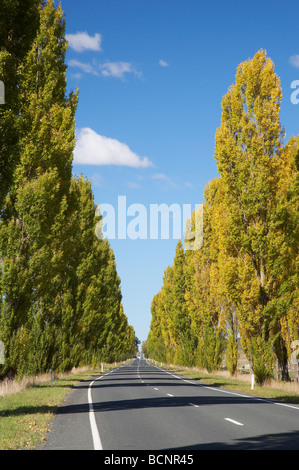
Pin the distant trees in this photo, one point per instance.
(60, 292)
(242, 285)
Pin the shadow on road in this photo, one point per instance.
(127, 378)
(281, 441)
(159, 402)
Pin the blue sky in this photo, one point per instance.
(151, 76)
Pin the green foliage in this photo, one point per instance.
(60, 292)
(241, 287)
(18, 27)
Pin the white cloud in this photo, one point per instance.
(95, 149)
(97, 180)
(159, 176)
(294, 60)
(163, 63)
(81, 41)
(108, 69)
(118, 69)
(189, 185)
(76, 76)
(87, 68)
(133, 185)
(164, 179)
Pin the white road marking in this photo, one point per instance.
(252, 397)
(234, 422)
(189, 382)
(288, 406)
(156, 388)
(230, 393)
(97, 443)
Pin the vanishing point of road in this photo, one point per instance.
(143, 407)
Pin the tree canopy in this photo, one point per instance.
(61, 302)
(242, 285)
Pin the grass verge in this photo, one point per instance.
(28, 407)
(286, 392)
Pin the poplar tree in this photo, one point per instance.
(247, 151)
(35, 209)
(61, 296)
(242, 284)
(156, 347)
(224, 283)
(180, 316)
(100, 327)
(201, 292)
(164, 309)
(18, 25)
(123, 341)
(283, 308)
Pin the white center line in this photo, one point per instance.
(169, 395)
(195, 406)
(234, 422)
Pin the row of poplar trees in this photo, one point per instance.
(241, 287)
(60, 291)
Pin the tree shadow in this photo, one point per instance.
(279, 441)
(29, 410)
(158, 402)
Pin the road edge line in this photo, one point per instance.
(97, 443)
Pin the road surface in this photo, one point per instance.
(143, 407)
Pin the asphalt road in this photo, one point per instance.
(143, 407)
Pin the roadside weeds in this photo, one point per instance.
(28, 406)
(285, 392)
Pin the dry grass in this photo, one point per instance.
(271, 388)
(286, 387)
(27, 406)
(10, 386)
